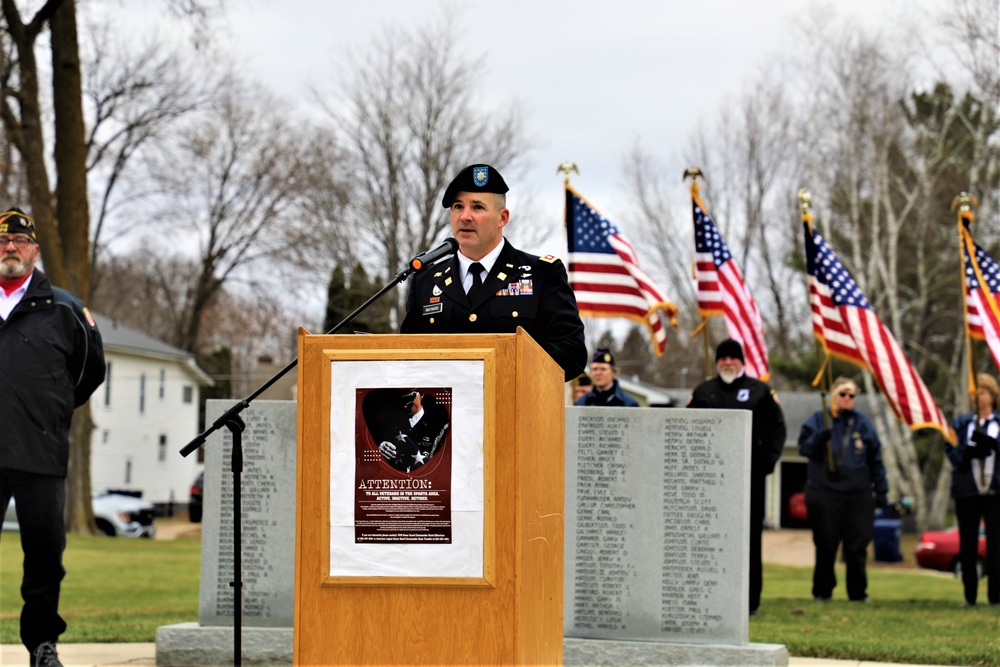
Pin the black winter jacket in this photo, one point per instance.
(51, 361)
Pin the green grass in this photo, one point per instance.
(915, 616)
(120, 590)
(115, 590)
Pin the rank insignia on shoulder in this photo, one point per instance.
(774, 395)
(548, 258)
(90, 319)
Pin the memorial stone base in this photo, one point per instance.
(186, 644)
(192, 644)
(610, 653)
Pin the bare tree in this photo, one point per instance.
(413, 120)
(230, 185)
(133, 98)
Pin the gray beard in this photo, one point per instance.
(728, 378)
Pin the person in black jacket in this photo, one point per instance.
(491, 287)
(846, 481)
(975, 486)
(732, 389)
(52, 359)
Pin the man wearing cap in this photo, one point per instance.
(491, 287)
(732, 389)
(52, 360)
(606, 391)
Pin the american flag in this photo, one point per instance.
(605, 275)
(722, 291)
(982, 315)
(843, 320)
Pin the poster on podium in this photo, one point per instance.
(406, 468)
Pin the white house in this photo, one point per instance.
(144, 413)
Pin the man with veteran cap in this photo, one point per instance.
(52, 359)
(731, 389)
(489, 286)
(606, 390)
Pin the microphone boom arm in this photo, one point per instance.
(448, 247)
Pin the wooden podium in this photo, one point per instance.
(489, 590)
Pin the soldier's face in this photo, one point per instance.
(602, 375)
(477, 222)
(16, 261)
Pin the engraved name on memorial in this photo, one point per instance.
(655, 505)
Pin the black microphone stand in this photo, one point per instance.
(231, 419)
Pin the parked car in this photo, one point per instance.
(938, 550)
(115, 514)
(194, 504)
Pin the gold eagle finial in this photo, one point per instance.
(567, 167)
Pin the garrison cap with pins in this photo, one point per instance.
(475, 178)
(602, 355)
(16, 222)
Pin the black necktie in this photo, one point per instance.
(476, 269)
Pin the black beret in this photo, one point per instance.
(602, 355)
(729, 348)
(475, 178)
(15, 222)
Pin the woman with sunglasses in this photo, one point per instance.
(845, 483)
(975, 486)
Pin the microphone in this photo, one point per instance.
(448, 247)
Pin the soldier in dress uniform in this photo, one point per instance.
(489, 286)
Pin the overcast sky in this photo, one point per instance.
(593, 76)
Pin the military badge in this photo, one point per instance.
(548, 258)
(480, 176)
(436, 291)
(502, 276)
(447, 281)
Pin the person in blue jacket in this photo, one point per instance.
(606, 391)
(845, 482)
(975, 486)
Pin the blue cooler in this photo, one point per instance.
(887, 534)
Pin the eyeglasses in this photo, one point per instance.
(846, 394)
(19, 241)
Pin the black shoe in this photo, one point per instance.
(45, 656)
(753, 612)
(821, 598)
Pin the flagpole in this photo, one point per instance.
(694, 173)
(567, 167)
(805, 203)
(963, 205)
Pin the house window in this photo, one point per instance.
(107, 385)
(163, 380)
(188, 394)
(128, 472)
(142, 393)
(163, 447)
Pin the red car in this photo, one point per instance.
(938, 550)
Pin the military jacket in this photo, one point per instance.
(521, 290)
